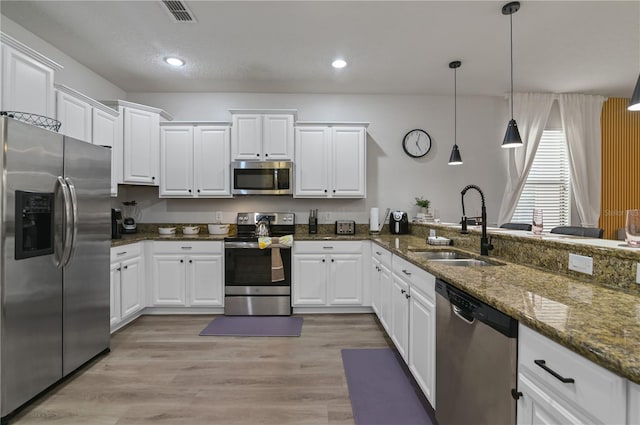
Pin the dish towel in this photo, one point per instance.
(277, 268)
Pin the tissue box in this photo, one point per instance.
(438, 240)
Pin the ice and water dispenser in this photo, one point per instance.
(34, 224)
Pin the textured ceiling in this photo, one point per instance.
(391, 46)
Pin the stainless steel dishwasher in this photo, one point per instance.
(476, 360)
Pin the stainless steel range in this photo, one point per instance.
(251, 286)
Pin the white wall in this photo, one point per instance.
(393, 178)
(74, 74)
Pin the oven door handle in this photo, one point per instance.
(248, 245)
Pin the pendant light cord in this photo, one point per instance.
(455, 107)
(511, 40)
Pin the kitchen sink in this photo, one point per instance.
(441, 255)
(465, 262)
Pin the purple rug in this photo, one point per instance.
(380, 391)
(254, 326)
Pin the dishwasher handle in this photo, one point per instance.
(464, 315)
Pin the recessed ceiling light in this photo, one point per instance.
(173, 61)
(338, 63)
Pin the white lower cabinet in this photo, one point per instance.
(633, 403)
(405, 305)
(127, 283)
(328, 274)
(559, 386)
(400, 315)
(422, 336)
(186, 274)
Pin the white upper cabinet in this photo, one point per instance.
(262, 135)
(194, 160)
(140, 142)
(330, 160)
(74, 115)
(27, 79)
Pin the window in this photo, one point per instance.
(548, 183)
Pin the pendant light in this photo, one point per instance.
(455, 158)
(512, 136)
(634, 102)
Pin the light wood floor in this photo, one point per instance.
(161, 372)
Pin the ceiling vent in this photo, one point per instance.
(179, 11)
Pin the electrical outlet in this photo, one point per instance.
(637, 272)
(219, 216)
(581, 263)
(327, 217)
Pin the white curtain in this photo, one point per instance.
(531, 111)
(580, 116)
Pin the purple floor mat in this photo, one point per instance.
(381, 393)
(254, 326)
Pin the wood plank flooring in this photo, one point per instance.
(160, 372)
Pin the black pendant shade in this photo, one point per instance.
(512, 136)
(455, 158)
(634, 102)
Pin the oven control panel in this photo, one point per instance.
(273, 218)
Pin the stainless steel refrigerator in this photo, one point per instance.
(55, 241)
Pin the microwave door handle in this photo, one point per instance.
(275, 179)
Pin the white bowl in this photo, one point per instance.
(190, 230)
(167, 230)
(218, 229)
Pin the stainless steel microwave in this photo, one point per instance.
(262, 178)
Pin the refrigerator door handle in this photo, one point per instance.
(68, 223)
(74, 219)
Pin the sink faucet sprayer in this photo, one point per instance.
(485, 245)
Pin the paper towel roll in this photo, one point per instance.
(374, 223)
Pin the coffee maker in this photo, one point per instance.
(116, 223)
(130, 216)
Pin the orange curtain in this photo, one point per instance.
(620, 164)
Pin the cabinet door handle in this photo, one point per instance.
(153, 178)
(378, 253)
(182, 261)
(543, 364)
(325, 191)
(334, 191)
(125, 267)
(333, 261)
(323, 260)
(257, 154)
(119, 269)
(266, 154)
(198, 190)
(516, 394)
(121, 253)
(407, 296)
(189, 190)
(406, 272)
(186, 247)
(190, 261)
(402, 291)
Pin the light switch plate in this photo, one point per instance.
(219, 216)
(581, 263)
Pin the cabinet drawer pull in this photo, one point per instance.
(406, 272)
(543, 364)
(327, 247)
(186, 247)
(121, 253)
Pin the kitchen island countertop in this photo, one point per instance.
(597, 322)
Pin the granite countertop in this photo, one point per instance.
(599, 323)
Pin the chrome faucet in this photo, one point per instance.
(485, 245)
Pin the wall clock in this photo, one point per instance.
(416, 143)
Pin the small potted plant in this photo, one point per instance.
(423, 204)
